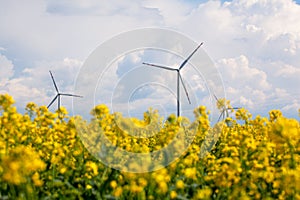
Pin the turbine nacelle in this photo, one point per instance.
(58, 94)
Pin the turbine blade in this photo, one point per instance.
(234, 108)
(186, 60)
(52, 101)
(221, 115)
(216, 97)
(54, 82)
(186, 92)
(71, 95)
(159, 66)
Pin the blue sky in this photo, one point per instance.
(255, 44)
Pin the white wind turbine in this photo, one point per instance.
(179, 77)
(58, 94)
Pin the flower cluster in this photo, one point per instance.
(43, 155)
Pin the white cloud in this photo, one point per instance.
(293, 107)
(246, 102)
(98, 7)
(257, 90)
(168, 8)
(35, 84)
(288, 71)
(38, 34)
(6, 68)
(238, 71)
(255, 43)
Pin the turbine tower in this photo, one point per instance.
(224, 109)
(58, 94)
(179, 77)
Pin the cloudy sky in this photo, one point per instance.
(255, 45)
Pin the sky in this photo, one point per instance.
(254, 44)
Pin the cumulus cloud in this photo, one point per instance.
(35, 84)
(239, 71)
(246, 102)
(257, 90)
(288, 71)
(38, 34)
(245, 84)
(98, 7)
(255, 44)
(293, 107)
(6, 68)
(17, 87)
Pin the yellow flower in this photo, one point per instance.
(113, 184)
(118, 191)
(204, 193)
(142, 182)
(179, 184)
(91, 166)
(257, 159)
(190, 173)
(88, 187)
(135, 188)
(20, 163)
(6, 101)
(63, 170)
(274, 114)
(243, 114)
(36, 179)
(163, 187)
(159, 178)
(173, 194)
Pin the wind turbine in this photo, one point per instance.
(179, 78)
(58, 94)
(224, 110)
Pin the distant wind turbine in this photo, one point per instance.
(179, 78)
(58, 94)
(224, 109)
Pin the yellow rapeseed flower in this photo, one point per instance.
(92, 167)
(190, 173)
(162, 187)
(180, 184)
(118, 191)
(204, 193)
(88, 187)
(113, 184)
(36, 179)
(173, 194)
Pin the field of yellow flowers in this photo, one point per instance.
(42, 156)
